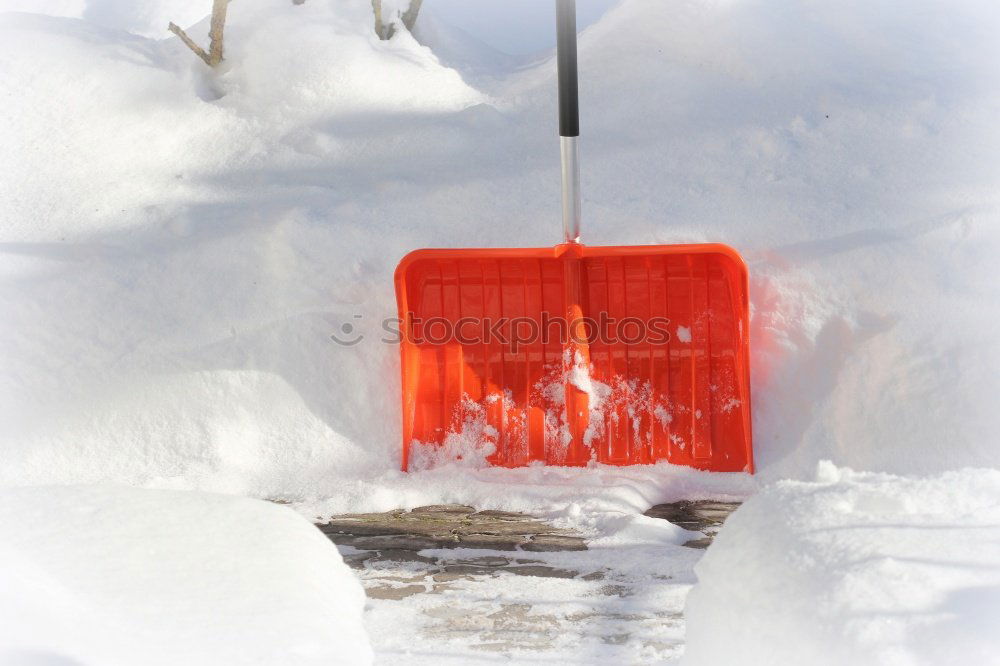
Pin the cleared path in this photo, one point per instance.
(449, 584)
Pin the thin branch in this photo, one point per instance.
(382, 29)
(214, 55)
(410, 15)
(386, 30)
(198, 51)
(215, 32)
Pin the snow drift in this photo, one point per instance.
(125, 576)
(179, 245)
(854, 568)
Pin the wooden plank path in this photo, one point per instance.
(459, 526)
(449, 584)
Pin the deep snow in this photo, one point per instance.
(854, 568)
(179, 245)
(116, 575)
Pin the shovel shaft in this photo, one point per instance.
(570, 189)
(569, 103)
(569, 117)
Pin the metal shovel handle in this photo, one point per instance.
(569, 117)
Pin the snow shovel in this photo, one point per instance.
(571, 354)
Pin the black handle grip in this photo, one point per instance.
(569, 103)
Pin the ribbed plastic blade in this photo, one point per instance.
(572, 354)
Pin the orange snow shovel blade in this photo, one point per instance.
(573, 354)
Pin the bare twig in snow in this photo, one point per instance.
(410, 15)
(385, 29)
(214, 55)
(198, 51)
(215, 31)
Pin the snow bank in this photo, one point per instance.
(105, 575)
(855, 568)
(111, 130)
(179, 245)
(152, 200)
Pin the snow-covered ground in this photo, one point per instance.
(854, 568)
(178, 245)
(114, 575)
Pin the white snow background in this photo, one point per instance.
(178, 245)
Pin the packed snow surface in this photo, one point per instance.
(854, 568)
(114, 575)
